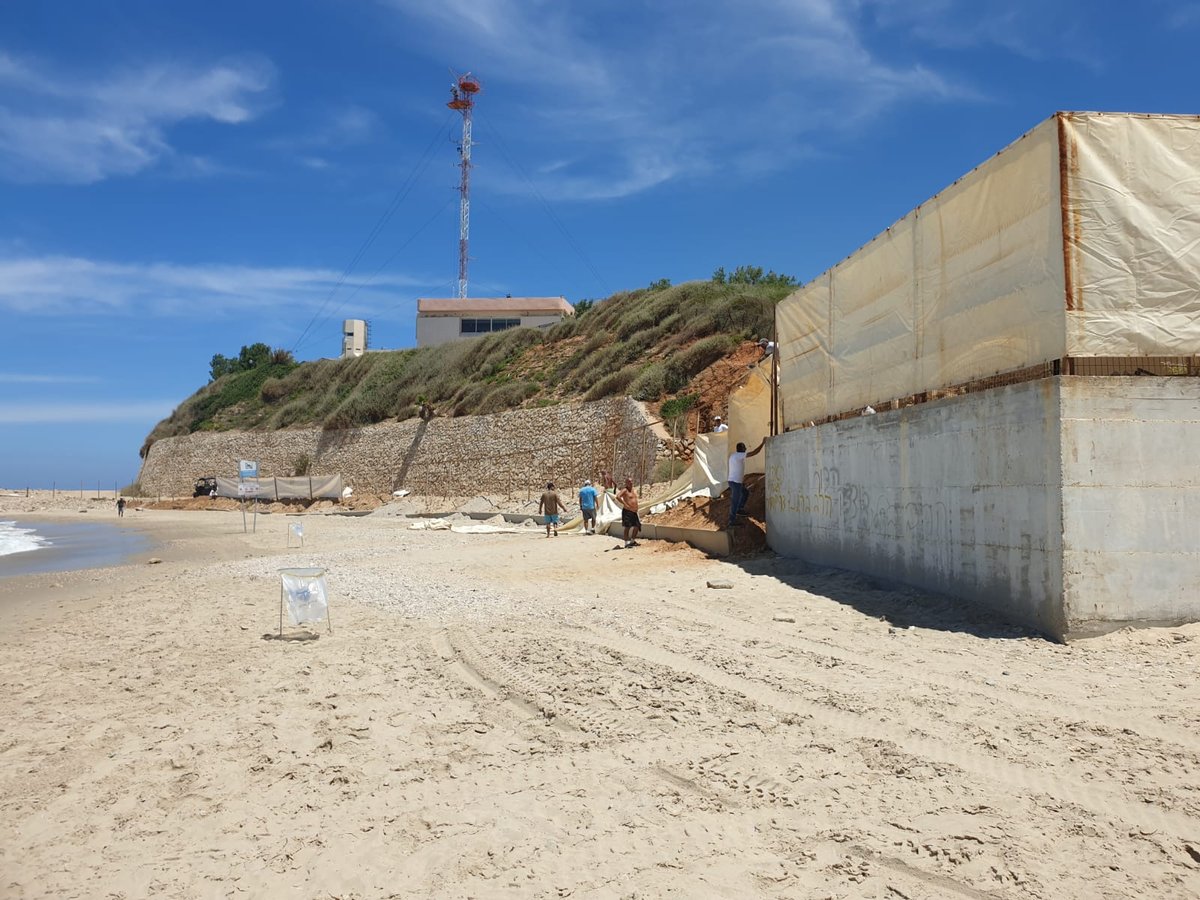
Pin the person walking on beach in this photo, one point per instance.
(120, 506)
(737, 478)
(551, 503)
(587, 507)
(628, 499)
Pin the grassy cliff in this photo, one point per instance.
(647, 344)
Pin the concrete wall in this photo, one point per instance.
(1131, 501)
(1070, 505)
(959, 496)
(509, 452)
(434, 330)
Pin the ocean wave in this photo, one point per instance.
(16, 538)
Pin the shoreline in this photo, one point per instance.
(75, 543)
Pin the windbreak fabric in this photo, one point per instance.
(967, 285)
(750, 415)
(303, 487)
(1132, 231)
(710, 464)
(1082, 239)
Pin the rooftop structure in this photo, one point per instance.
(444, 319)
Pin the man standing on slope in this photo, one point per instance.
(551, 503)
(628, 499)
(587, 507)
(737, 478)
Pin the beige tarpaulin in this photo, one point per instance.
(973, 282)
(303, 487)
(710, 464)
(750, 415)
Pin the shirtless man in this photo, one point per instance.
(628, 499)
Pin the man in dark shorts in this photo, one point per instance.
(628, 499)
(587, 507)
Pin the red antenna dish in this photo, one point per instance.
(463, 91)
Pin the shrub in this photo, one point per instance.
(506, 396)
(273, 390)
(672, 409)
(301, 464)
(650, 384)
(611, 385)
(667, 470)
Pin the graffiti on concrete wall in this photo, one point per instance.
(825, 500)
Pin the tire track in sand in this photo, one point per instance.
(1053, 708)
(1100, 801)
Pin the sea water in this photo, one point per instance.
(16, 538)
(28, 546)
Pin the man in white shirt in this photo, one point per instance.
(719, 427)
(737, 477)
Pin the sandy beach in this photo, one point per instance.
(509, 716)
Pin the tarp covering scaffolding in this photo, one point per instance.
(1077, 240)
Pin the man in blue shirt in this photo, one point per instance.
(587, 507)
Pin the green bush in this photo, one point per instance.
(677, 406)
(650, 384)
(612, 385)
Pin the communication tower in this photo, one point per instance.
(462, 98)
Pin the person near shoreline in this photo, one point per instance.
(587, 507)
(552, 504)
(120, 506)
(628, 499)
(737, 477)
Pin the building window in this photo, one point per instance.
(485, 326)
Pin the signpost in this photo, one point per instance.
(248, 468)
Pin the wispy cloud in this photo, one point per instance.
(71, 413)
(677, 88)
(335, 131)
(1183, 15)
(24, 378)
(81, 128)
(74, 286)
(1033, 29)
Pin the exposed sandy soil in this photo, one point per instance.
(713, 515)
(514, 716)
(717, 382)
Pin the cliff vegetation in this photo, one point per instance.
(648, 344)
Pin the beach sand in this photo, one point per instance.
(511, 716)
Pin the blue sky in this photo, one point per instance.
(177, 180)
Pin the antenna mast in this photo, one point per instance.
(462, 98)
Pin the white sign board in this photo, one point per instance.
(248, 489)
(248, 468)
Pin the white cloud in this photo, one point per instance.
(676, 88)
(77, 129)
(71, 413)
(73, 286)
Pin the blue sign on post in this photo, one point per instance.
(247, 468)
